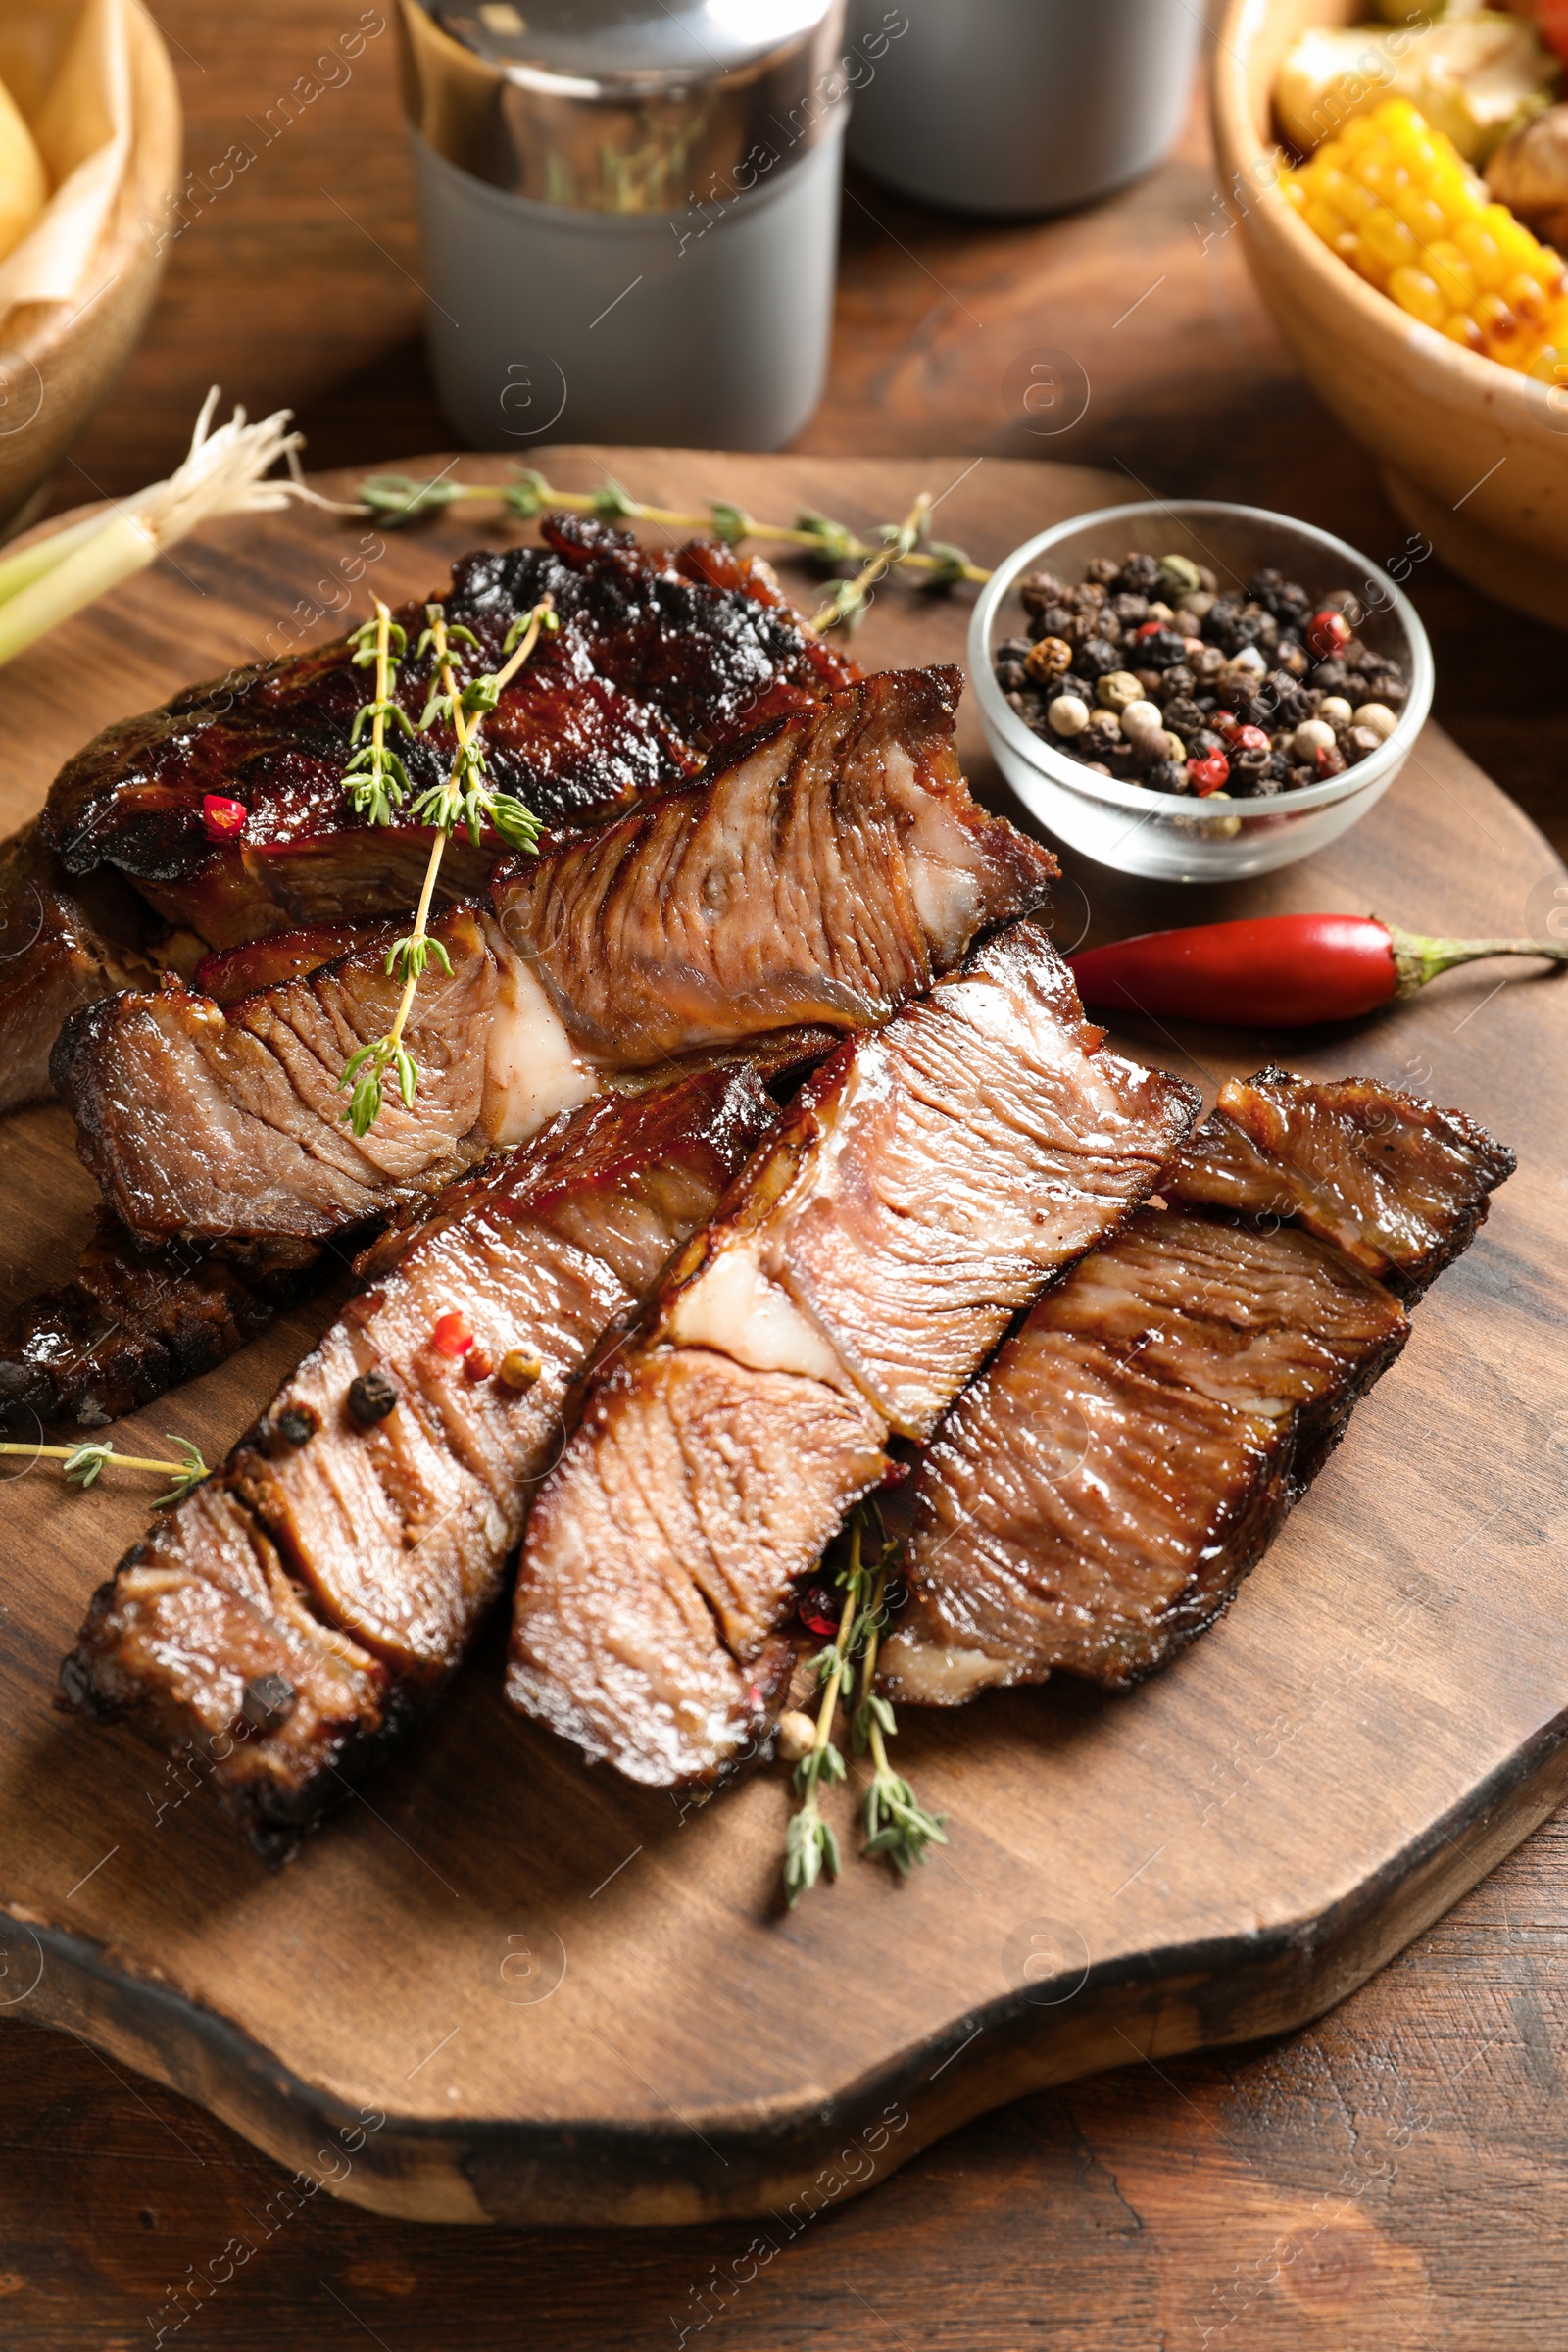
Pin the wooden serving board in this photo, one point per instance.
(567, 1999)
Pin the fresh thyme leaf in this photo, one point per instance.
(731, 524)
(526, 496)
(191, 1473)
(896, 1825)
(397, 498)
(85, 1463)
(514, 822)
(613, 503)
(836, 541)
(809, 1847)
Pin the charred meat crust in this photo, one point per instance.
(289, 1621)
(657, 658)
(1397, 1184)
(63, 942)
(139, 1318)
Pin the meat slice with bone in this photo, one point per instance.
(926, 1184)
(825, 874)
(289, 1619)
(1096, 1498)
(659, 659)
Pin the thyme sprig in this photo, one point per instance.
(85, 1463)
(464, 797)
(895, 1823)
(848, 604)
(376, 778)
(397, 498)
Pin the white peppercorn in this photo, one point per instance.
(1312, 736)
(1068, 714)
(1335, 710)
(1378, 718)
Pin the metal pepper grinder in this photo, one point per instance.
(629, 211)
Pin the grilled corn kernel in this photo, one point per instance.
(1396, 199)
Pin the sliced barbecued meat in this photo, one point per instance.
(1399, 1185)
(62, 944)
(1097, 1496)
(138, 1319)
(660, 657)
(657, 658)
(927, 1183)
(1094, 1499)
(823, 874)
(290, 1619)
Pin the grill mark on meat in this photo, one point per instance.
(1399, 1185)
(355, 1557)
(597, 961)
(717, 1456)
(1094, 1499)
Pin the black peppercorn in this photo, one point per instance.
(270, 1699)
(1054, 620)
(1202, 742)
(1096, 658)
(1131, 611)
(1012, 649)
(1176, 680)
(1247, 766)
(297, 1423)
(1100, 570)
(1038, 589)
(1010, 675)
(1162, 648)
(1292, 656)
(1168, 775)
(1138, 575)
(1331, 677)
(1183, 716)
(371, 1396)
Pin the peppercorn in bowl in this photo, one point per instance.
(1197, 691)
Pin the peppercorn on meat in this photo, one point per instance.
(1094, 1499)
(924, 1187)
(295, 1614)
(1395, 200)
(825, 874)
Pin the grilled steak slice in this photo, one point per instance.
(657, 658)
(1097, 1496)
(291, 1618)
(926, 1184)
(823, 875)
(1397, 1184)
(62, 944)
(139, 1318)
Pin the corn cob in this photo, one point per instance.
(1397, 201)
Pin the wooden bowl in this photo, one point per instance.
(1473, 454)
(61, 360)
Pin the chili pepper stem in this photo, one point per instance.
(1418, 959)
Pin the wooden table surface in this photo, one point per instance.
(1389, 2178)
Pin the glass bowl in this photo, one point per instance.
(1140, 831)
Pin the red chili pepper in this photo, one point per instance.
(1210, 775)
(223, 817)
(818, 1610)
(453, 1335)
(1326, 633)
(1279, 971)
